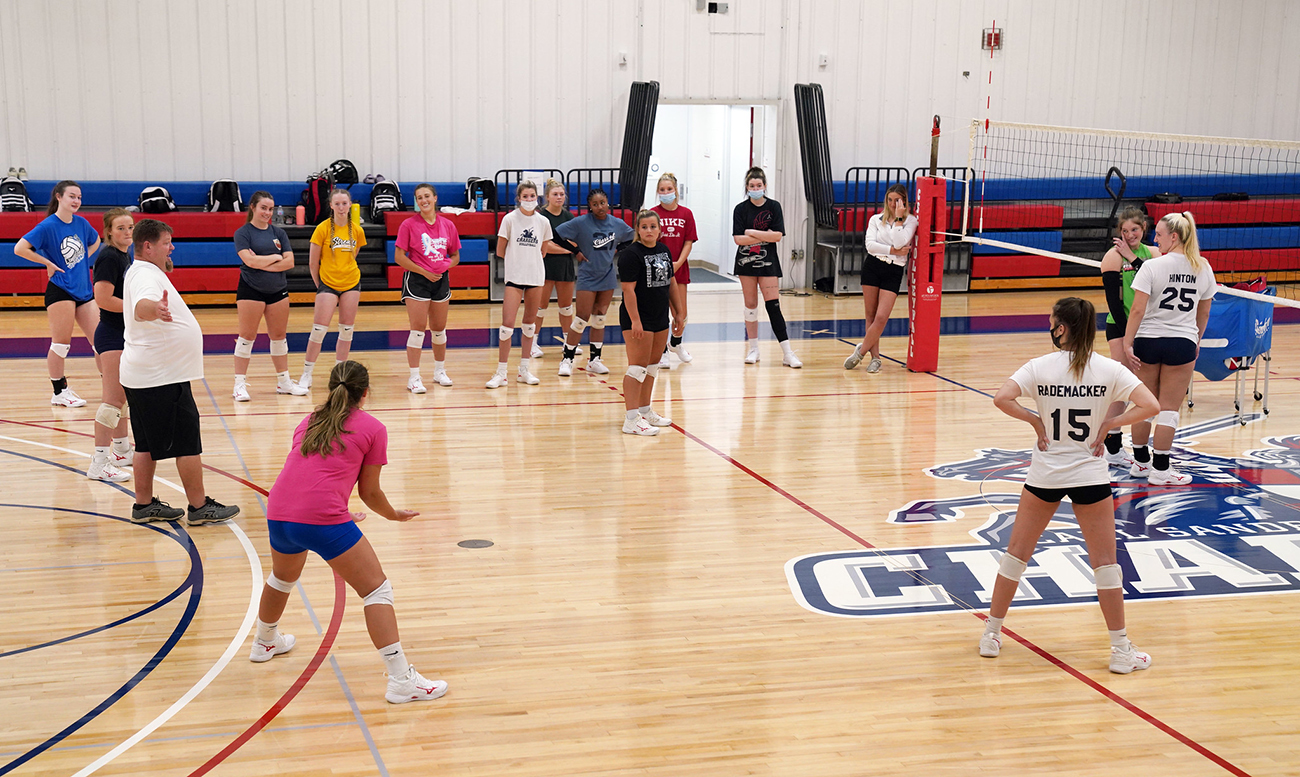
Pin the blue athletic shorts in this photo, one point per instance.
(327, 541)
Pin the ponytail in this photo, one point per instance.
(1079, 318)
(56, 193)
(348, 383)
(1183, 225)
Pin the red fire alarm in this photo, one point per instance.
(992, 39)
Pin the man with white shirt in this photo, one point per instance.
(163, 353)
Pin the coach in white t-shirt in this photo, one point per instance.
(163, 353)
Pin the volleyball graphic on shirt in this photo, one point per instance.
(73, 251)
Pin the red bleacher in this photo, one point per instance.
(1014, 266)
(1236, 212)
(186, 224)
(994, 217)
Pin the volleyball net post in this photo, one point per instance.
(925, 280)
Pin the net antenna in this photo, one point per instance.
(1047, 192)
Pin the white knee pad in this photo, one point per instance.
(1167, 418)
(318, 333)
(637, 373)
(578, 326)
(243, 348)
(1108, 576)
(278, 584)
(505, 333)
(415, 340)
(653, 370)
(529, 330)
(598, 322)
(60, 349)
(1011, 567)
(381, 595)
(126, 411)
(751, 314)
(440, 337)
(345, 332)
(280, 347)
(567, 310)
(107, 415)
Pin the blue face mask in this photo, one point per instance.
(756, 194)
(667, 198)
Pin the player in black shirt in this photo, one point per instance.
(645, 270)
(756, 226)
(113, 451)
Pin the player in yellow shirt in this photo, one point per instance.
(333, 263)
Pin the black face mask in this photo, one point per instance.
(1056, 339)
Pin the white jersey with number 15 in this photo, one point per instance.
(1071, 410)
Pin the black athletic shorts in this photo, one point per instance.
(523, 286)
(165, 421)
(421, 289)
(244, 291)
(1079, 495)
(325, 288)
(55, 294)
(885, 276)
(559, 268)
(1114, 331)
(109, 338)
(651, 320)
(1172, 351)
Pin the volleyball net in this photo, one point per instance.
(1047, 200)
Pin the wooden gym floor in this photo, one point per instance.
(665, 606)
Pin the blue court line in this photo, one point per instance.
(338, 673)
(188, 737)
(193, 581)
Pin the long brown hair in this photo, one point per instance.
(252, 203)
(348, 383)
(59, 189)
(1079, 318)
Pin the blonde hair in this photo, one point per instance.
(347, 194)
(114, 215)
(641, 216)
(348, 383)
(1132, 213)
(1183, 225)
(901, 191)
(551, 183)
(676, 192)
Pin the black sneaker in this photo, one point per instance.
(212, 511)
(155, 511)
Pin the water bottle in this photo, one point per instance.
(279, 215)
(478, 201)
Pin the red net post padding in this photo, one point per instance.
(925, 280)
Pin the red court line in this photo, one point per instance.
(336, 620)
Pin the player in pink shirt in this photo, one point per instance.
(427, 248)
(678, 234)
(335, 448)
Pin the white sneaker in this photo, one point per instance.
(595, 366)
(413, 687)
(792, 361)
(874, 365)
(751, 356)
(497, 380)
(855, 358)
(537, 353)
(415, 385)
(639, 426)
(292, 388)
(1168, 477)
(1120, 460)
(240, 393)
(566, 368)
(305, 380)
(665, 362)
(990, 645)
(67, 398)
(1126, 661)
(527, 377)
(101, 468)
(126, 459)
(265, 651)
(654, 419)
(681, 352)
(440, 377)
(1140, 469)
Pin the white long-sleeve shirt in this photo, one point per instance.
(882, 237)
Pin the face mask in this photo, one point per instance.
(756, 194)
(667, 198)
(528, 205)
(1056, 339)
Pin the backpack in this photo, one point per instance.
(385, 196)
(156, 199)
(474, 187)
(342, 171)
(224, 195)
(13, 196)
(1167, 198)
(316, 198)
(1230, 197)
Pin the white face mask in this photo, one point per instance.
(528, 205)
(756, 194)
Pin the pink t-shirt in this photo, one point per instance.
(315, 489)
(429, 245)
(676, 227)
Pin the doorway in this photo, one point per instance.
(709, 147)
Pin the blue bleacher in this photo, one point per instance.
(1139, 187)
(471, 251)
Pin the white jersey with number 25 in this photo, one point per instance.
(1071, 410)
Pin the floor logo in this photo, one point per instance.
(1234, 530)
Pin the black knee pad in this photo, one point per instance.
(777, 320)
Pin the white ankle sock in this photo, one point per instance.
(121, 444)
(415, 372)
(502, 367)
(786, 349)
(283, 377)
(633, 414)
(266, 631)
(645, 410)
(395, 660)
(1119, 639)
(241, 380)
(523, 365)
(307, 367)
(994, 625)
(437, 365)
